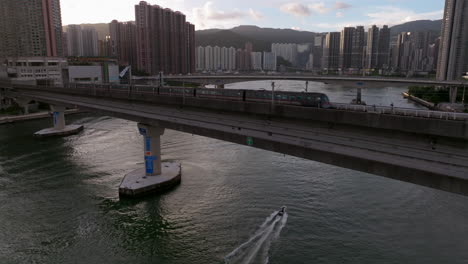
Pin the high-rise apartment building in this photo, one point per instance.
(346, 47)
(378, 48)
(217, 58)
(287, 51)
(359, 42)
(232, 59)
(224, 58)
(122, 42)
(453, 54)
(30, 28)
(414, 52)
(256, 61)
(64, 44)
(248, 56)
(269, 61)
(209, 62)
(200, 65)
(317, 52)
(75, 40)
(90, 42)
(207, 58)
(331, 51)
(165, 41)
(351, 48)
(372, 47)
(190, 40)
(383, 50)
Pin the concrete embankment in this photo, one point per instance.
(420, 101)
(22, 118)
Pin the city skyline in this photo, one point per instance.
(318, 16)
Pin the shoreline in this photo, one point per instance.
(11, 119)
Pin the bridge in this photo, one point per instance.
(420, 147)
(353, 81)
(227, 79)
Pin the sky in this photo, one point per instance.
(311, 15)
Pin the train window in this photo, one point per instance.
(293, 98)
(299, 98)
(309, 98)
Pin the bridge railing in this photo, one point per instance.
(402, 111)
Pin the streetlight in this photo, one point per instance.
(464, 87)
(272, 95)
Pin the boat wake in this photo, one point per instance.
(257, 247)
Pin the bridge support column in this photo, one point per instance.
(59, 128)
(453, 94)
(157, 176)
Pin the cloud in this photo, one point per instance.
(319, 7)
(390, 15)
(255, 14)
(296, 9)
(302, 10)
(207, 16)
(341, 5)
(385, 15)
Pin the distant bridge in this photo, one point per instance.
(227, 79)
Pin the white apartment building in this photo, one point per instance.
(209, 63)
(200, 60)
(287, 51)
(269, 61)
(215, 58)
(256, 61)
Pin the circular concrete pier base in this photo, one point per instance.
(52, 132)
(137, 184)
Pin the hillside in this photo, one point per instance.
(418, 25)
(262, 38)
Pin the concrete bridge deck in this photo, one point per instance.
(424, 151)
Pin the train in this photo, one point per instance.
(319, 100)
(305, 99)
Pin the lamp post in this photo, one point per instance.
(464, 87)
(272, 95)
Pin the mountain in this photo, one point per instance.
(418, 25)
(261, 38)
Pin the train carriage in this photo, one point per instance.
(293, 98)
(223, 94)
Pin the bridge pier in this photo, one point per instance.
(60, 128)
(157, 176)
